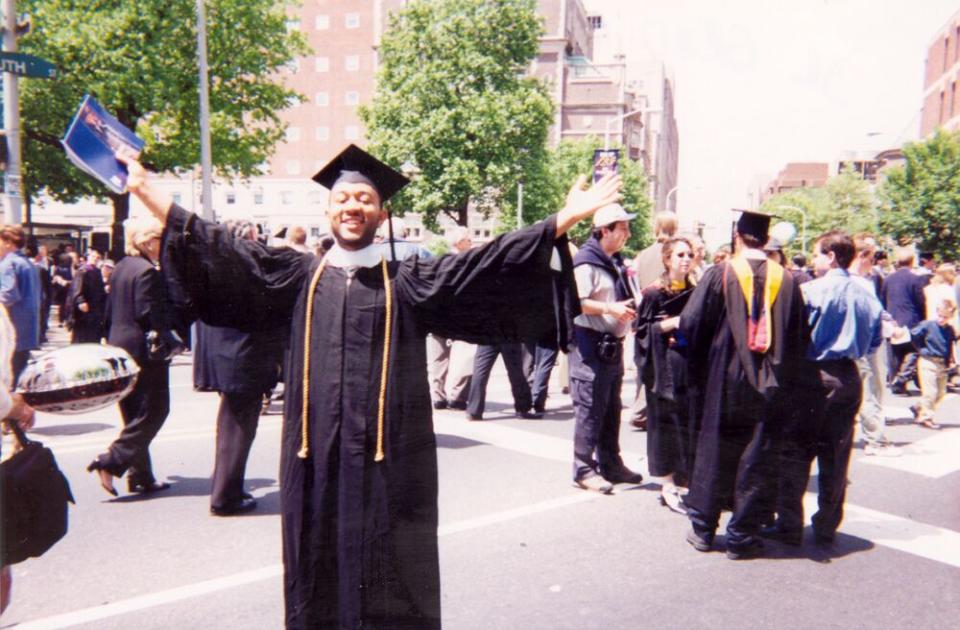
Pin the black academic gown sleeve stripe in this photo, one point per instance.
(502, 292)
(226, 281)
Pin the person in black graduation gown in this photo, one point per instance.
(88, 300)
(242, 366)
(745, 334)
(358, 457)
(661, 357)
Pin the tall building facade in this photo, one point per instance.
(591, 97)
(941, 109)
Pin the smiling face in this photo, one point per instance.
(355, 214)
(680, 259)
(615, 236)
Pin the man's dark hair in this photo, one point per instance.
(840, 243)
(926, 257)
(752, 242)
(799, 260)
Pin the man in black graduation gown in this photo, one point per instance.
(744, 330)
(358, 462)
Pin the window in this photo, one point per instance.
(352, 20)
(293, 101)
(323, 134)
(953, 98)
(943, 99)
(351, 98)
(293, 167)
(351, 132)
(595, 21)
(322, 99)
(322, 22)
(314, 197)
(231, 197)
(293, 24)
(351, 63)
(258, 197)
(292, 66)
(293, 134)
(286, 197)
(323, 64)
(178, 199)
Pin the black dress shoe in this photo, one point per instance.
(530, 415)
(745, 552)
(246, 504)
(787, 537)
(147, 488)
(439, 404)
(622, 475)
(457, 405)
(473, 418)
(698, 542)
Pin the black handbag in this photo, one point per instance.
(33, 501)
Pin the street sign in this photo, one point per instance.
(24, 65)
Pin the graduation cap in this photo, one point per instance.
(355, 166)
(755, 224)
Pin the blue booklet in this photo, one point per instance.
(92, 141)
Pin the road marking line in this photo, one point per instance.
(189, 591)
(519, 440)
(933, 457)
(887, 530)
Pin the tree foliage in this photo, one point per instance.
(452, 98)
(549, 181)
(921, 199)
(845, 202)
(139, 60)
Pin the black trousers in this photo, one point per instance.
(903, 365)
(544, 359)
(144, 412)
(237, 421)
(734, 461)
(827, 434)
(482, 366)
(595, 386)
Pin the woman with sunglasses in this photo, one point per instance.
(661, 362)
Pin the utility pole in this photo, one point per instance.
(13, 195)
(206, 160)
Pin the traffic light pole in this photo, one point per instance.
(12, 197)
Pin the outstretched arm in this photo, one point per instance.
(157, 202)
(582, 203)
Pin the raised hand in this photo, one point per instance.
(583, 202)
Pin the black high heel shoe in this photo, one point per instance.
(106, 479)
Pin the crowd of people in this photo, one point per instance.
(748, 367)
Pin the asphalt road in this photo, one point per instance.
(520, 547)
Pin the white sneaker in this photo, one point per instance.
(882, 450)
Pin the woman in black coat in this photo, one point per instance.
(137, 305)
(661, 361)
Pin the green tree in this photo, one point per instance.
(139, 60)
(845, 202)
(549, 181)
(920, 201)
(452, 98)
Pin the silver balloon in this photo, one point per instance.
(78, 378)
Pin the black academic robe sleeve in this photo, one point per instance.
(226, 281)
(502, 292)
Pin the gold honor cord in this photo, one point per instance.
(381, 406)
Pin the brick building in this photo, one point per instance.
(940, 105)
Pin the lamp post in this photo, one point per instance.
(666, 201)
(606, 134)
(206, 160)
(803, 229)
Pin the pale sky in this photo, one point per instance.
(760, 83)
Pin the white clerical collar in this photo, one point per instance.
(369, 256)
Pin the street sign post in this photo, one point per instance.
(24, 65)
